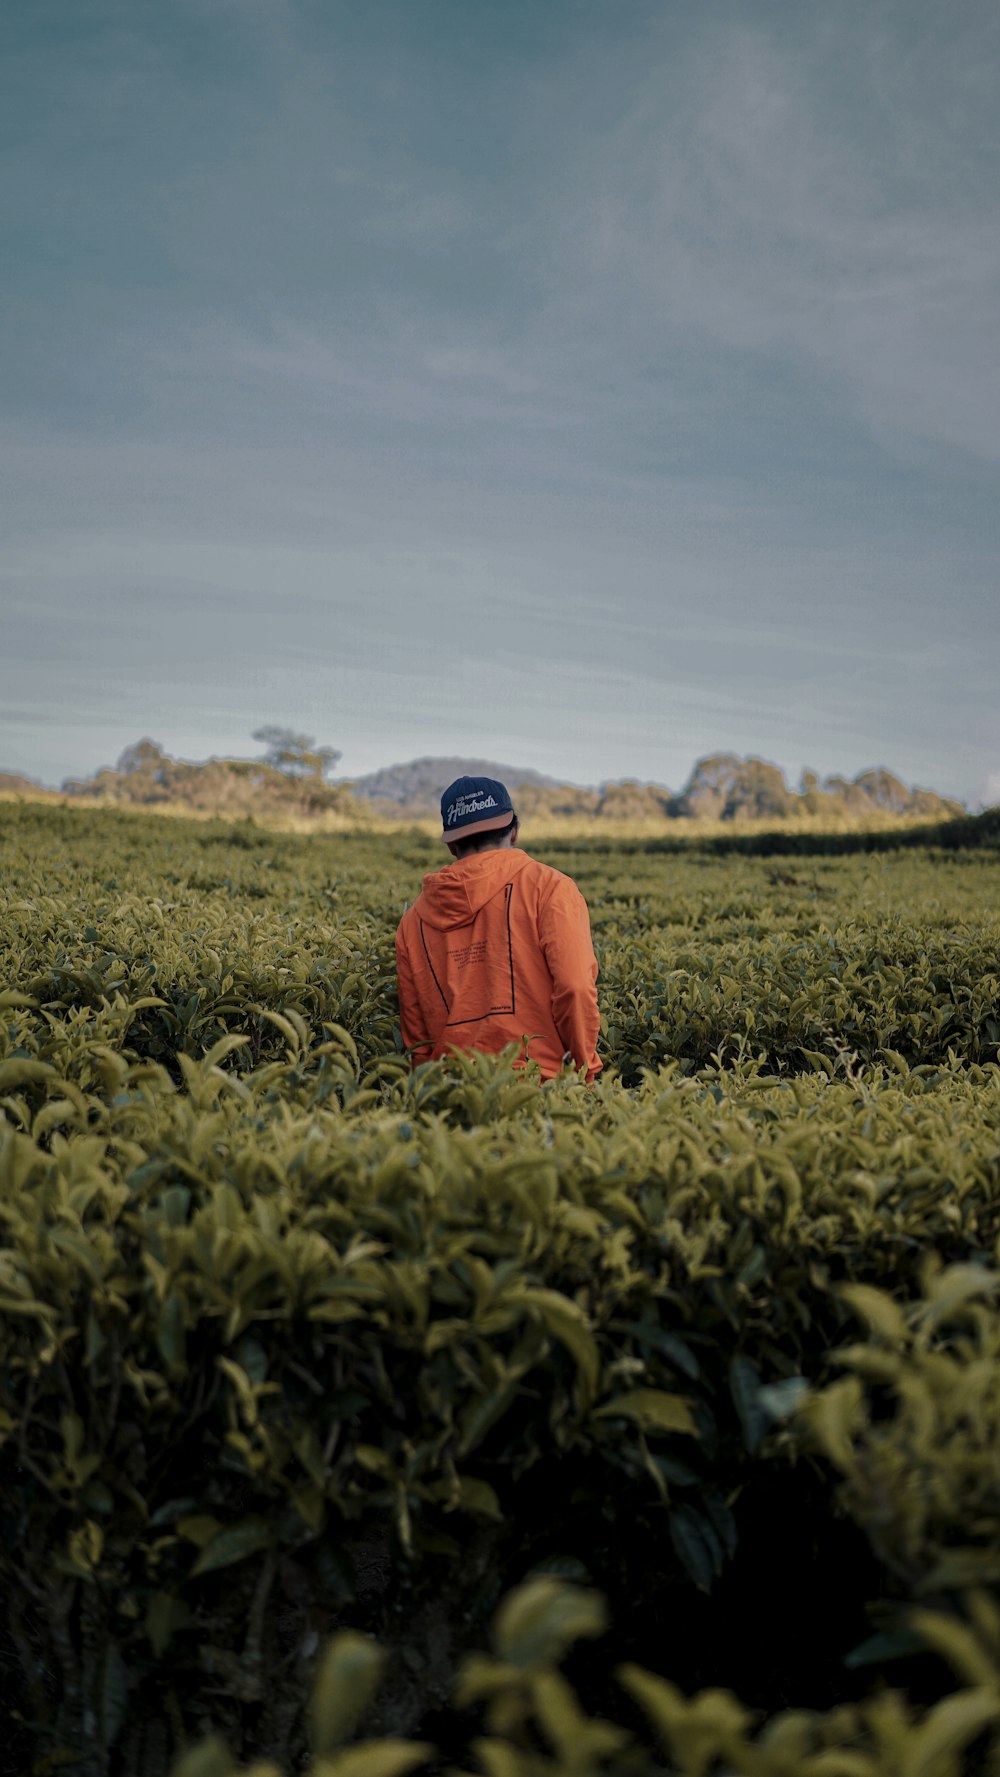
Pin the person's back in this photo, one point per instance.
(497, 947)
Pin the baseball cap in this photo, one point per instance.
(474, 805)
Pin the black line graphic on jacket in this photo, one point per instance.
(474, 956)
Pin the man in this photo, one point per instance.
(496, 949)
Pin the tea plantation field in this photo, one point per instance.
(358, 1420)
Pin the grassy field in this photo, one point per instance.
(299, 1344)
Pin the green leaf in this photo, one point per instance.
(346, 1680)
(957, 1644)
(173, 1509)
(479, 1497)
(782, 1400)
(887, 1644)
(956, 1286)
(225, 1046)
(233, 1544)
(481, 1417)
(882, 1314)
(566, 1322)
(24, 1073)
(651, 1408)
(198, 1528)
(175, 1202)
(112, 1696)
(947, 1729)
(170, 1331)
(697, 1548)
(676, 1473)
(713, 1716)
(85, 1547)
(252, 1357)
(541, 1619)
(679, 1354)
(836, 1415)
(287, 1030)
(210, 1758)
(722, 1521)
(660, 1700)
(744, 1386)
(164, 1616)
(377, 1758)
(958, 1568)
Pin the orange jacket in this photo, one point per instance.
(496, 949)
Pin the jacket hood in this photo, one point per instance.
(453, 896)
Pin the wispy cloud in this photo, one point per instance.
(810, 197)
(657, 350)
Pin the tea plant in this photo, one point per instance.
(296, 1340)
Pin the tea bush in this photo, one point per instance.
(296, 1340)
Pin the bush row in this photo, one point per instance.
(174, 940)
(267, 1331)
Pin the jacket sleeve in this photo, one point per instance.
(412, 1027)
(564, 930)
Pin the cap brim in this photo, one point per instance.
(493, 825)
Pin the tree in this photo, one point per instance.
(297, 755)
(143, 755)
(885, 790)
(725, 787)
(629, 800)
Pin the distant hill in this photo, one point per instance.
(415, 789)
(721, 787)
(13, 784)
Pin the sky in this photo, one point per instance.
(581, 384)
